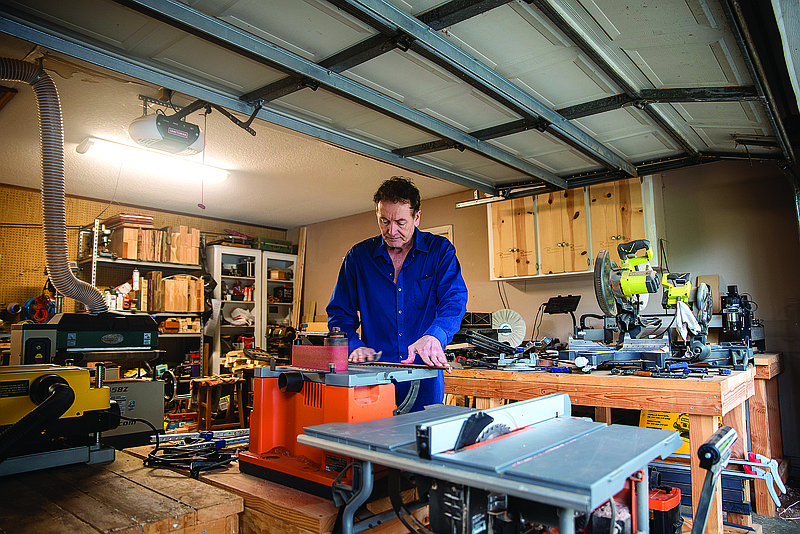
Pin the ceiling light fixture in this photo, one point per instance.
(150, 160)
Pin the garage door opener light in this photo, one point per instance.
(148, 159)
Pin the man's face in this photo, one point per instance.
(397, 223)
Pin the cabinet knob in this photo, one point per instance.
(613, 237)
(619, 237)
(565, 244)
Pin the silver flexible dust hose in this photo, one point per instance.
(53, 210)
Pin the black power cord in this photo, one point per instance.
(192, 456)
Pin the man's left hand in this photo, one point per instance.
(430, 350)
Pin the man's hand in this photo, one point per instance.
(362, 354)
(430, 350)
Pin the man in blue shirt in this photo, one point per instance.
(408, 288)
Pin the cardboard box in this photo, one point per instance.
(283, 293)
(718, 288)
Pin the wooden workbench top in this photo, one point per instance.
(768, 365)
(120, 497)
(712, 395)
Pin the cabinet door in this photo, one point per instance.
(514, 238)
(617, 215)
(573, 228)
(562, 231)
(551, 235)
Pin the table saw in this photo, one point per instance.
(500, 461)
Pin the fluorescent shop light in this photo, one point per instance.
(150, 160)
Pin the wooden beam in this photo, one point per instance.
(299, 269)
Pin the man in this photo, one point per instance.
(407, 285)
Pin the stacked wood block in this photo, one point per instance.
(151, 244)
(125, 242)
(182, 293)
(183, 245)
(153, 289)
(174, 244)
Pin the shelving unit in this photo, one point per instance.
(221, 260)
(100, 268)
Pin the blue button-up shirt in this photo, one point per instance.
(430, 298)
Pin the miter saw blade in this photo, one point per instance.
(509, 319)
(604, 266)
(703, 304)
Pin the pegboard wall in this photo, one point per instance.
(22, 261)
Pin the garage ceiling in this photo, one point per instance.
(508, 98)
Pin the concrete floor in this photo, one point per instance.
(776, 525)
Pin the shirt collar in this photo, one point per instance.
(419, 244)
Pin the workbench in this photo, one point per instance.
(765, 424)
(121, 497)
(702, 399)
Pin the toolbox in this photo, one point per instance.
(272, 245)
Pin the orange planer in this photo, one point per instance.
(287, 399)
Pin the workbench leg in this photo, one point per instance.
(566, 521)
(602, 415)
(765, 425)
(643, 503)
(736, 420)
(702, 427)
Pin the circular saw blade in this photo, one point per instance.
(703, 304)
(603, 291)
(493, 431)
(512, 320)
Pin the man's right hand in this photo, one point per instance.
(362, 354)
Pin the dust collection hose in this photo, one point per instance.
(54, 217)
(55, 398)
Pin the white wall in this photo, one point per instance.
(727, 218)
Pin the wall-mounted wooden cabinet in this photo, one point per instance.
(512, 229)
(561, 232)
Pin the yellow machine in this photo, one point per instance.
(52, 416)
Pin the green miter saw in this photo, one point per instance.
(619, 288)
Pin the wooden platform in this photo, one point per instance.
(273, 508)
(121, 497)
